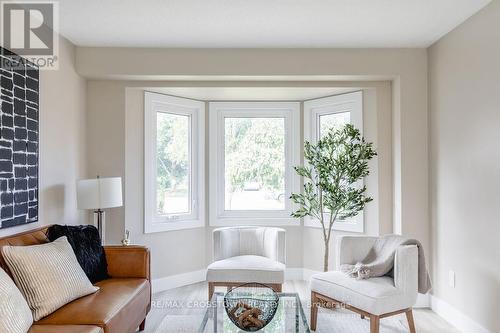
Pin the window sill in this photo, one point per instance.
(251, 221)
(172, 226)
(351, 226)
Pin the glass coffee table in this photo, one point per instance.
(289, 317)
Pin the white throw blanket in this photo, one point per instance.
(380, 261)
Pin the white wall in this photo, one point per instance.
(113, 104)
(115, 131)
(66, 150)
(464, 90)
(406, 69)
(62, 142)
(191, 250)
(106, 144)
(172, 252)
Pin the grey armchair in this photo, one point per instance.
(247, 255)
(377, 297)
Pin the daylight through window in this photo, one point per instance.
(173, 164)
(254, 159)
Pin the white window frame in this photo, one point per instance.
(195, 110)
(218, 111)
(313, 110)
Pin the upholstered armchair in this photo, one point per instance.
(247, 255)
(376, 297)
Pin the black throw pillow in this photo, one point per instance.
(86, 244)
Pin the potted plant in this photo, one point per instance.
(334, 167)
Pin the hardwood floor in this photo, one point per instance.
(190, 300)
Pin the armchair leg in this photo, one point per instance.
(142, 326)
(314, 310)
(374, 324)
(211, 288)
(411, 323)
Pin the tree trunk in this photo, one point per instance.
(327, 253)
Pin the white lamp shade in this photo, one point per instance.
(99, 193)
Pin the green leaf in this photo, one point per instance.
(335, 165)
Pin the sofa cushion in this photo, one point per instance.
(119, 306)
(65, 329)
(375, 295)
(30, 237)
(48, 275)
(15, 314)
(246, 268)
(86, 243)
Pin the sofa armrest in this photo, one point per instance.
(128, 261)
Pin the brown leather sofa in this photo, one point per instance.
(120, 305)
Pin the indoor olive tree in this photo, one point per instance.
(332, 173)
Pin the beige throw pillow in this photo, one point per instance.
(15, 315)
(48, 275)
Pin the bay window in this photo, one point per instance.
(253, 147)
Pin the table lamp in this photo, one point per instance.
(98, 194)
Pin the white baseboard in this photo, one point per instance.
(423, 301)
(179, 280)
(184, 279)
(307, 273)
(293, 273)
(455, 317)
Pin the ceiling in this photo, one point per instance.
(262, 23)
(252, 93)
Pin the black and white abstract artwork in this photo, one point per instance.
(19, 106)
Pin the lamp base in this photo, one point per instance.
(99, 222)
